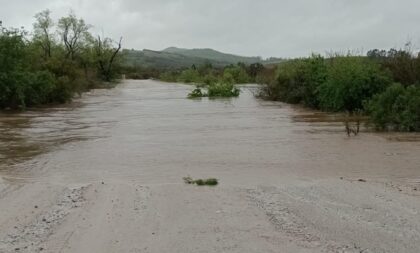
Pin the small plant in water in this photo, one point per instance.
(197, 93)
(223, 90)
(216, 90)
(201, 182)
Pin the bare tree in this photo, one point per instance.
(355, 127)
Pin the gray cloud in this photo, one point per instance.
(268, 28)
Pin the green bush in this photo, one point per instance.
(298, 80)
(397, 108)
(168, 76)
(189, 76)
(236, 74)
(22, 89)
(223, 90)
(350, 82)
(39, 88)
(210, 79)
(354, 84)
(216, 90)
(64, 90)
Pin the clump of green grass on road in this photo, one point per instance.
(201, 182)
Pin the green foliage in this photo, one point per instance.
(208, 75)
(42, 69)
(298, 81)
(210, 79)
(223, 90)
(397, 108)
(356, 85)
(403, 65)
(197, 93)
(218, 89)
(189, 76)
(336, 84)
(236, 74)
(169, 76)
(351, 81)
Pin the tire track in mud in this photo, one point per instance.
(280, 211)
(30, 236)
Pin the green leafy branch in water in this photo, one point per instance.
(201, 182)
(216, 90)
(197, 93)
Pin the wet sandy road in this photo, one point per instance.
(104, 174)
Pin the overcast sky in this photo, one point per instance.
(284, 28)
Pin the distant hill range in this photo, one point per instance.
(177, 58)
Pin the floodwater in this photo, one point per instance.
(150, 131)
(104, 174)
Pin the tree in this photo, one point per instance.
(401, 63)
(350, 82)
(42, 31)
(298, 80)
(254, 69)
(74, 34)
(106, 55)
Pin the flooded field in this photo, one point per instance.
(290, 179)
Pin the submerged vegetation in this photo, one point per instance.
(219, 82)
(223, 90)
(216, 90)
(384, 86)
(57, 60)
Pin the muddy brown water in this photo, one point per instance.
(149, 132)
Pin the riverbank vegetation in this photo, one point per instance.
(55, 61)
(239, 73)
(384, 85)
(219, 82)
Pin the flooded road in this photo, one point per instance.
(104, 174)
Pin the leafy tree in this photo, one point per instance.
(254, 69)
(298, 81)
(74, 34)
(38, 70)
(189, 76)
(238, 73)
(43, 34)
(401, 64)
(350, 82)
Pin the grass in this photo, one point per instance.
(201, 182)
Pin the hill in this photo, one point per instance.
(177, 58)
(212, 54)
